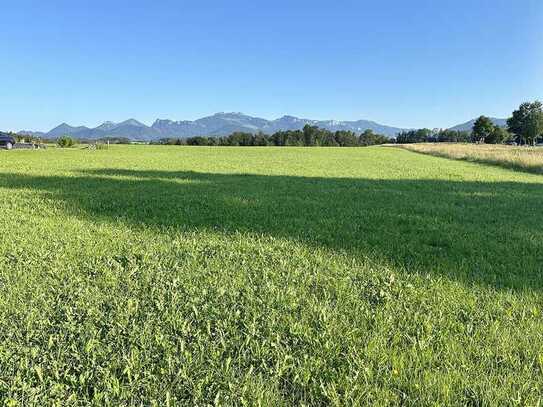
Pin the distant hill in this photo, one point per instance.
(66, 129)
(130, 128)
(468, 126)
(219, 124)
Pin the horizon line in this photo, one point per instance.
(248, 115)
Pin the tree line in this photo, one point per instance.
(433, 136)
(309, 136)
(524, 127)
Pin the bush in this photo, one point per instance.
(65, 142)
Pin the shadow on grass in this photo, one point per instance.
(483, 233)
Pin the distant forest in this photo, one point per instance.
(313, 136)
(309, 136)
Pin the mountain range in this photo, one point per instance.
(219, 124)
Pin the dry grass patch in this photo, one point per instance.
(521, 158)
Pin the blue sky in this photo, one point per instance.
(409, 63)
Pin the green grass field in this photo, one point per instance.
(145, 275)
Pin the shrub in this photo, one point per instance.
(65, 142)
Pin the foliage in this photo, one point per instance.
(414, 136)
(432, 136)
(65, 142)
(533, 126)
(482, 128)
(527, 121)
(453, 136)
(498, 135)
(525, 125)
(369, 138)
(309, 136)
(150, 275)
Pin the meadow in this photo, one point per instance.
(519, 158)
(157, 275)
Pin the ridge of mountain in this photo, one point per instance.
(221, 124)
(218, 124)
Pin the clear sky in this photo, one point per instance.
(409, 63)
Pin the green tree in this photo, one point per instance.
(213, 141)
(294, 138)
(534, 127)
(310, 135)
(279, 138)
(527, 121)
(260, 139)
(65, 142)
(453, 136)
(346, 138)
(239, 138)
(499, 135)
(198, 141)
(414, 136)
(369, 138)
(329, 139)
(482, 128)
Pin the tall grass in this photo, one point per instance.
(528, 159)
